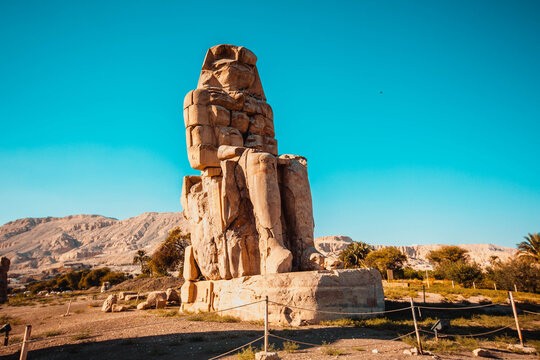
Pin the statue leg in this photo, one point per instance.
(263, 187)
(298, 212)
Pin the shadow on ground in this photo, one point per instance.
(204, 345)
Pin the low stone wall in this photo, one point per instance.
(303, 295)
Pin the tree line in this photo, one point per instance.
(453, 263)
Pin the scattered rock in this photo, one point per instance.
(119, 308)
(172, 296)
(160, 304)
(143, 306)
(261, 355)
(154, 296)
(522, 349)
(122, 294)
(482, 353)
(375, 351)
(134, 297)
(411, 351)
(109, 302)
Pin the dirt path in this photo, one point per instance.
(89, 333)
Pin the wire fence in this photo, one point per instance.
(412, 308)
(366, 313)
(268, 334)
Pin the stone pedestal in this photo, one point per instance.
(301, 293)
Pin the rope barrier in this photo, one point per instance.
(339, 312)
(466, 335)
(10, 345)
(119, 329)
(232, 308)
(236, 349)
(531, 312)
(342, 346)
(457, 308)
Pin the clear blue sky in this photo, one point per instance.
(449, 152)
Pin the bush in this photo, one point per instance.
(412, 274)
(353, 255)
(521, 271)
(462, 272)
(77, 280)
(452, 263)
(387, 258)
(93, 278)
(170, 254)
(114, 277)
(447, 254)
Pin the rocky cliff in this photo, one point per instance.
(37, 244)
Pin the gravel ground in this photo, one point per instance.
(89, 333)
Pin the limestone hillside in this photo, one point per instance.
(417, 254)
(37, 244)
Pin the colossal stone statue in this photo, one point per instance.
(250, 210)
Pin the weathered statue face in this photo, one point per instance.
(231, 68)
(234, 75)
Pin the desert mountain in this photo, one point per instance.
(417, 254)
(37, 244)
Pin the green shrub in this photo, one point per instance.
(290, 346)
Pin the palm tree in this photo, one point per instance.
(530, 248)
(141, 258)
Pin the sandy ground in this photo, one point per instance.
(89, 333)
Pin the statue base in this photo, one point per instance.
(295, 298)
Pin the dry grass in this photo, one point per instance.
(332, 351)
(212, 317)
(343, 322)
(166, 313)
(290, 346)
(4, 319)
(396, 293)
(82, 335)
(247, 353)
